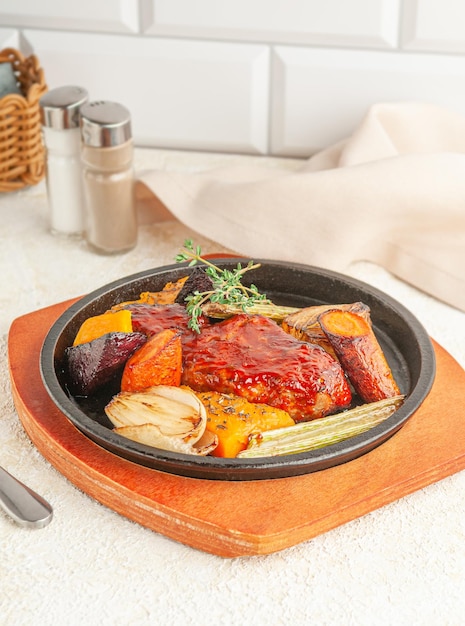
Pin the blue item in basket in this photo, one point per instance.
(8, 82)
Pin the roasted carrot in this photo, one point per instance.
(158, 362)
(360, 354)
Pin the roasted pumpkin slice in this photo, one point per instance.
(99, 325)
(233, 419)
(158, 362)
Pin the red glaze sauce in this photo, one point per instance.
(253, 357)
(150, 319)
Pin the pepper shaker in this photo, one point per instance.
(108, 177)
(59, 109)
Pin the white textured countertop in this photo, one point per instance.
(401, 564)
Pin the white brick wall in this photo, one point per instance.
(434, 26)
(331, 22)
(283, 77)
(319, 95)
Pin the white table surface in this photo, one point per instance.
(401, 564)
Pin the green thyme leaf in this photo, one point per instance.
(227, 286)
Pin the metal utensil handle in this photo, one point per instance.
(23, 504)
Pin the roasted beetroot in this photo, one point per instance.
(96, 363)
(197, 281)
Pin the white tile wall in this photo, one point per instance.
(285, 77)
(329, 22)
(87, 15)
(181, 94)
(9, 38)
(318, 96)
(434, 25)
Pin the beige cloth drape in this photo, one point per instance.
(392, 193)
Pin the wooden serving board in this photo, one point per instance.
(240, 518)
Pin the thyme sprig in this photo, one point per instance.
(227, 285)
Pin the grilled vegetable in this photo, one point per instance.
(198, 281)
(157, 362)
(357, 348)
(96, 363)
(254, 378)
(303, 324)
(323, 432)
(232, 419)
(170, 418)
(98, 325)
(272, 311)
(166, 296)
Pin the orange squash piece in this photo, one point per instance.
(232, 419)
(99, 325)
(158, 362)
(167, 295)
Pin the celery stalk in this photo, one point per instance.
(223, 311)
(306, 436)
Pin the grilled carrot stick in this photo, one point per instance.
(362, 358)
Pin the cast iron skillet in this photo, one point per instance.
(406, 344)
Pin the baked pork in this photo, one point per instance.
(253, 357)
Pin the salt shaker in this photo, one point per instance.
(108, 177)
(59, 110)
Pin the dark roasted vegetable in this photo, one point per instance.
(95, 363)
(357, 348)
(197, 281)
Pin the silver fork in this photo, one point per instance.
(22, 504)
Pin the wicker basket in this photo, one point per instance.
(22, 155)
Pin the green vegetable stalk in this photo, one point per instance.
(322, 432)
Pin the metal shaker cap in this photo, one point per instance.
(59, 108)
(105, 124)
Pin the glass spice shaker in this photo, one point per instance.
(108, 177)
(59, 110)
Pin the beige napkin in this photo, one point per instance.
(393, 193)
